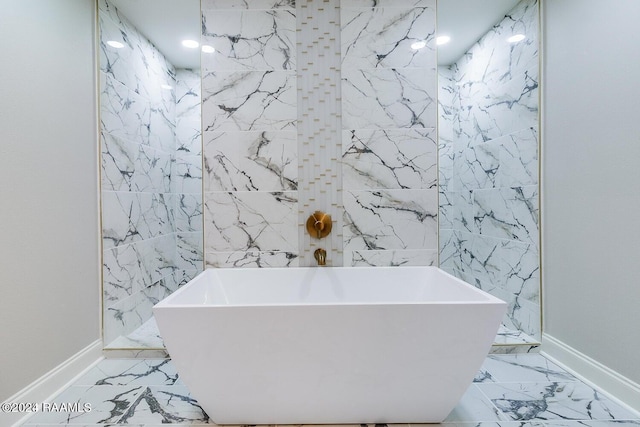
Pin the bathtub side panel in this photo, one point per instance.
(329, 364)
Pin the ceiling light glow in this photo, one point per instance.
(418, 45)
(516, 38)
(191, 44)
(442, 40)
(208, 49)
(115, 44)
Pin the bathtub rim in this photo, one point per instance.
(485, 298)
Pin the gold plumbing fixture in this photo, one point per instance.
(321, 256)
(319, 225)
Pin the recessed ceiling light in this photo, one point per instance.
(516, 38)
(442, 40)
(208, 49)
(115, 44)
(191, 44)
(418, 45)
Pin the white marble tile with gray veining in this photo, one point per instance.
(106, 405)
(390, 258)
(496, 59)
(247, 4)
(552, 400)
(127, 269)
(146, 336)
(507, 161)
(508, 213)
(162, 127)
(128, 166)
(382, 37)
(123, 113)
(249, 100)
(508, 264)
(131, 217)
(188, 122)
(525, 368)
(252, 259)
(519, 159)
(189, 251)
(395, 158)
(251, 161)
(126, 315)
(403, 4)
(477, 166)
(138, 64)
(249, 39)
(498, 81)
(252, 221)
(187, 174)
(390, 219)
(164, 405)
(130, 372)
(188, 212)
(389, 98)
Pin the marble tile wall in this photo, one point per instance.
(305, 109)
(151, 209)
(249, 114)
(488, 173)
(187, 176)
(389, 117)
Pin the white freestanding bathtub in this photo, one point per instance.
(328, 345)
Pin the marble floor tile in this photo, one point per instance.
(107, 405)
(523, 368)
(514, 390)
(146, 335)
(553, 401)
(131, 372)
(474, 407)
(164, 405)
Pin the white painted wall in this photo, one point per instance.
(49, 272)
(591, 188)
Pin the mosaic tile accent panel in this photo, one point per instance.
(319, 144)
(489, 162)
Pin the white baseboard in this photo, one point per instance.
(54, 381)
(591, 371)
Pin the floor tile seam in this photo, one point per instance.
(498, 412)
(547, 381)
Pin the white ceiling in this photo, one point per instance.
(167, 22)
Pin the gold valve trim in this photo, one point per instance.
(319, 224)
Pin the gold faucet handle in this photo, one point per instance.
(319, 224)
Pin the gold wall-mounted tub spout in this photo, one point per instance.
(319, 224)
(321, 256)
